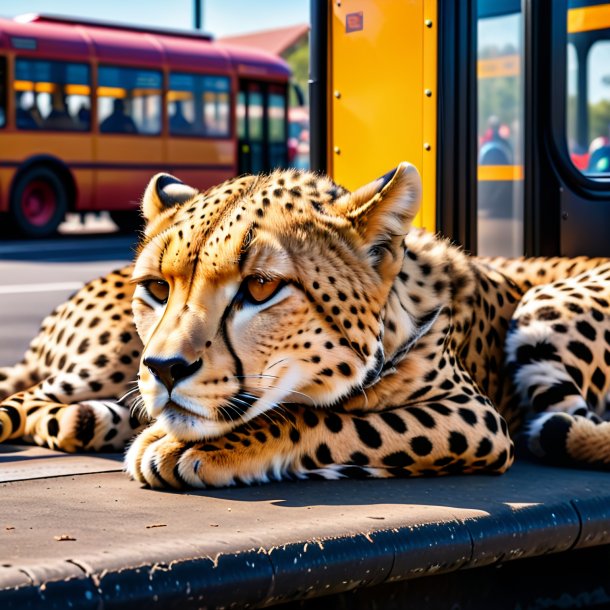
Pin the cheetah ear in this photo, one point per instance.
(163, 192)
(383, 210)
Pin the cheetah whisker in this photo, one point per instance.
(260, 376)
(128, 393)
(275, 387)
(276, 363)
(272, 407)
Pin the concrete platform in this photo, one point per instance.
(76, 532)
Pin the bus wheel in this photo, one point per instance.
(127, 222)
(39, 202)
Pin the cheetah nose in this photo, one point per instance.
(171, 371)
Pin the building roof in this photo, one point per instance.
(275, 41)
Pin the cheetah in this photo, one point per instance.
(282, 327)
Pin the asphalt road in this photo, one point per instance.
(35, 276)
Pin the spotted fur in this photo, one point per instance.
(374, 350)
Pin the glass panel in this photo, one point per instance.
(255, 115)
(588, 90)
(598, 107)
(241, 115)
(277, 118)
(500, 108)
(216, 105)
(52, 95)
(277, 129)
(2, 91)
(256, 133)
(199, 105)
(129, 100)
(184, 117)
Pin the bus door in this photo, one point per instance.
(262, 126)
(543, 127)
(581, 125)
(500, 105)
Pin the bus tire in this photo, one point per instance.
(38, 203)
(127, 222)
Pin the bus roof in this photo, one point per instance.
(58, 37)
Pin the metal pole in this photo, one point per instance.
(318, 103)
(198, 15)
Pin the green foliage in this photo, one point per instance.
(599, 119)
(299, 63)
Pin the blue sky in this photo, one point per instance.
(220, 17)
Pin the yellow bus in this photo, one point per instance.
(503, 105)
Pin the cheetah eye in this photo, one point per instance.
(258, 289)
(157, 289)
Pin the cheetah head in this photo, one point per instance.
(264, 290)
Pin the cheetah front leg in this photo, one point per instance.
(49, 416)
(434, 438)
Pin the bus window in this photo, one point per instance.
(579, 153)
(216, 106)
(199, 105)
(500, 117)
(256, 128)
(240, 112)
(2, 91)
(129, 100)
(277, 128)
(52, 95)
(588, 87)
(598, 107)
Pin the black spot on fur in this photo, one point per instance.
(310, 418)
(85, 426)
(52, 428)
(457, 443)
(425, 419)
(536, 353)
(484, 448)
(581, 351)
(333, 422)
(554, 436)
(469, 416)
(394, 421)
(554, 395)
(599, 379)
(421, 445)
(586, 330)
(323, 454)
(359, 458)
(367, 433)
(491, 422)
(399, 459)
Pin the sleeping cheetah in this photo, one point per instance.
(287, 328)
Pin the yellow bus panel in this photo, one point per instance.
(383, 92)
(587, 18)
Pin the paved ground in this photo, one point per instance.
(37, 275)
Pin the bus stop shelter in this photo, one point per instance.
(77, 533)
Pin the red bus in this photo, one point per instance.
(89, 110)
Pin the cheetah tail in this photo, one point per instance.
(570, 439)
